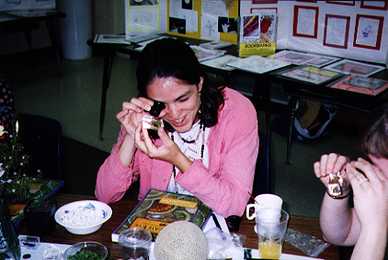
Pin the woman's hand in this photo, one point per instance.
(167, 151)
(132, 113)
(370, 193)
(329, 163)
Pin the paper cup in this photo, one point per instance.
(263, 201)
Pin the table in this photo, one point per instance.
(27, 21)
(123, 207)
(326, 95)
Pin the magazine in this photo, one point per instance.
(159, 208)
(311, 74)
(257, 64)
(362, 85)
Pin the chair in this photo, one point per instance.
(42, 140)
(263, 181)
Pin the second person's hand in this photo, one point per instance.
(329, 163)
(370, 192)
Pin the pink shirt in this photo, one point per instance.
(225, 185)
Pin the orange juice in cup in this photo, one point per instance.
(271, 226)
(270, 249)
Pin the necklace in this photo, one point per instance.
(201, 128)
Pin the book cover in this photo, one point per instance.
(159, 208)
(258, 34)
(362, 85)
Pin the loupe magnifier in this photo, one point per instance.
(151, 122)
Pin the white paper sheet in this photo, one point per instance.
(209, 26)
(214, 7)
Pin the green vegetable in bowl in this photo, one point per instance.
(85, 254)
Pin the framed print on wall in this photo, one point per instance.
(378, 5)
(264, 1)
(305, 21)
(368, 31)
(336, 31)
(341, 2)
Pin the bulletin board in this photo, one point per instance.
(183, 18)
(219, 20)
(200, 19)
(351, 29)
(203, 19)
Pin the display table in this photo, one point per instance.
(122, 208)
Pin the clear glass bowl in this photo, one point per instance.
(91, 248)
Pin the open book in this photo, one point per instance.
(160, 208)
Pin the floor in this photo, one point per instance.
(73, 98)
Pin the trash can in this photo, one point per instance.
(76, 28)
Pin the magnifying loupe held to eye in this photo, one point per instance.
(151, 122)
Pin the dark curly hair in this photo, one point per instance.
(376, 139)
(170, 57)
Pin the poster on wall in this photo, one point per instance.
(305, 21)
(258, 34)
(336, 31)
(143, 17)
(183, 18)
(377, 5)
(368, 31)
(344, 2)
